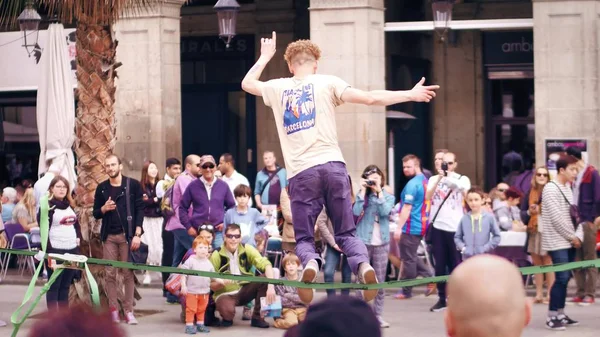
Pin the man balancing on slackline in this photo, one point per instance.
(303, 106)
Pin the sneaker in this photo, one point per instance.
(553, 323)
(202, 328)
(431, 289)
(114, 314)
(226, 323)
(147, 279)
(190, 330)
(366, 275)
(576, 299)
(439, 306)
(131, 318)
(309, 275)
(586, 301)
(382, 323)
(566, 321)
(402, 296)
(247, 314)
(259, 323)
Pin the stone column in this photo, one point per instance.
(350, 34)
(565, 36)
(148, 97)
(279, 16)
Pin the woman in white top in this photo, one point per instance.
(64, 236)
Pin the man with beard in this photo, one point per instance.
(412, 220)
(110, 205)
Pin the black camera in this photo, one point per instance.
(445, 168)
(370, 183)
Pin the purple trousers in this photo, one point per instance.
(309, 190)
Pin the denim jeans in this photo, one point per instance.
(183, 242)
(332, 260)
(558, 293)
(218, 240)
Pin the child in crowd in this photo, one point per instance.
(473, 234)
(206, 232)
(260, 239)
(249, 219)
(196, 289)
(293, 310)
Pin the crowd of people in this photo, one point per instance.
(205, 216)
(480, 312)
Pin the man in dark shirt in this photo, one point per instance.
(110, 205)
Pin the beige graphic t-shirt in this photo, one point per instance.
(305, 118)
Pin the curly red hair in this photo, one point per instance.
(299, 47)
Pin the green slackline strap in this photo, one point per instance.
(44, 230)
(387, 285)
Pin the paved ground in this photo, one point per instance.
(408, 318)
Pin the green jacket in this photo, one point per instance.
(248, 257)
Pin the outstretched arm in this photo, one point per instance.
(419, 93)
(251, 83)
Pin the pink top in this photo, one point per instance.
(181, 184)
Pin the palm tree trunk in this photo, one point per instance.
(95, 130)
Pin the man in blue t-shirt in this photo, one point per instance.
(412, 220)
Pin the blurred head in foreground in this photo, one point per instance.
(486, 299)
(76, 321)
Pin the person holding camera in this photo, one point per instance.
(372, 207)
(446, 191)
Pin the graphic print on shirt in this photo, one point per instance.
(300, 113)
(455, 201)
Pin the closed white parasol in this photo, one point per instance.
(56, 107)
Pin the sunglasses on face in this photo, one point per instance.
(207, 227)
(208, 166)
(542, 174)
(502, 190)
(233, 236)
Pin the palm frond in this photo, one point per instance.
(9, 11)
(103, 12)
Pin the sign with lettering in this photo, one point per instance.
(555, 147)
(507, 48)
(212, 47)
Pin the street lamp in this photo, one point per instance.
(29, 21)
(227, 11)
(442, 16)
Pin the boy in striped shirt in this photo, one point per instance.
(560, 237)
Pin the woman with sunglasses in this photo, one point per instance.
(64, 236)
(531, 208)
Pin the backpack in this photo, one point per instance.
(166, 204)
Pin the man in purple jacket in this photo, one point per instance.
(210, 198)
(586, 195)
(183, 240)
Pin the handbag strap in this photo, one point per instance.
(561, 192)
(269, 180)
(128, 203)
